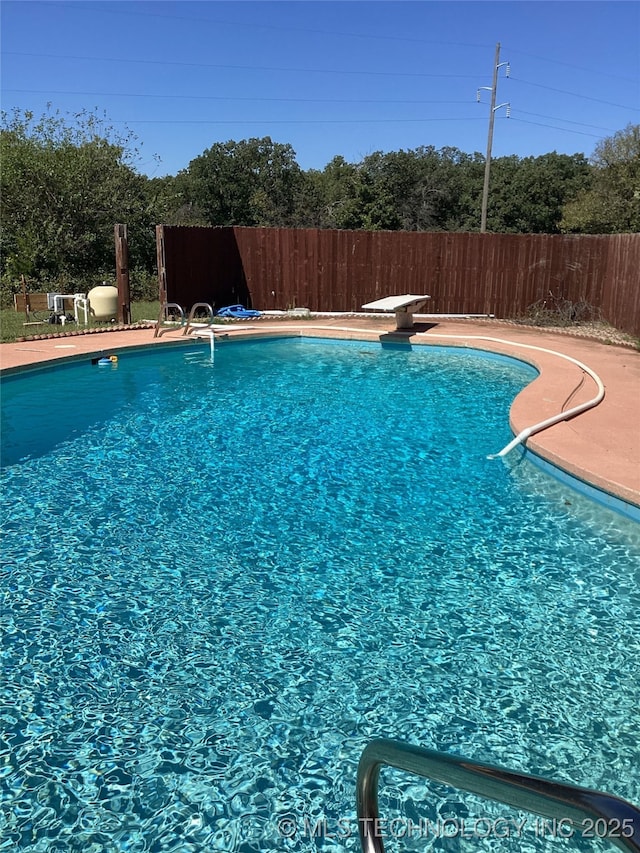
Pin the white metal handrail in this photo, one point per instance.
(192, 314)
(164, 311)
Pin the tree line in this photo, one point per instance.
(65, 182)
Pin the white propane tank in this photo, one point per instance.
(103, 302)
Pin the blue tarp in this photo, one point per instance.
(237, 311)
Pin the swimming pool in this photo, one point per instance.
(221, 580)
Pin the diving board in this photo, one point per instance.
(404, 307)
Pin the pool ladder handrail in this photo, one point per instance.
(163, 313)
(192, 313)
(552, 800)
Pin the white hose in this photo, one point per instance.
(561, 416)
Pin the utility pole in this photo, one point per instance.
(487, 165)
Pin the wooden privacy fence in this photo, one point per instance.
(323, 270)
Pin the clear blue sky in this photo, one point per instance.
(329, 78)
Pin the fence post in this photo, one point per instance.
(162, 269)
(122, 274)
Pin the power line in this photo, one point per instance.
(99, 8)
(575, 94)
(308, 100)
(271, 27)
(262, 68)
(566, 120)
(597, 71)
(182, 97)
(288, 70)
(555, 127)
(294, 121)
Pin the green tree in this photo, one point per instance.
(527, 195)
(331, 196)
(169, 199)
(612, 204)
(418, 190)
(253, 182)
(65, 183)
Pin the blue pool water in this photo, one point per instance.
(220, 581)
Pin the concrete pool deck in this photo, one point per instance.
(600, 446)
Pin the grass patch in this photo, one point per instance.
(12, 323)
